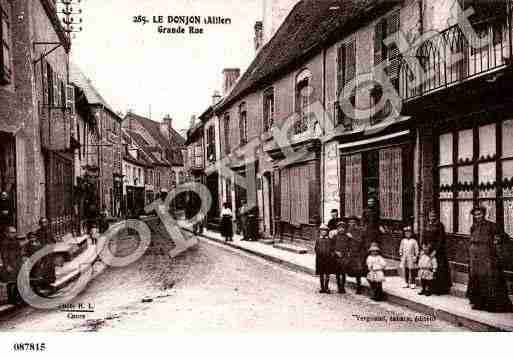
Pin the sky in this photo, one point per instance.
(135, 67)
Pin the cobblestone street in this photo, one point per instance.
(215, 289)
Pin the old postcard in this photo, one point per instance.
(255, 166)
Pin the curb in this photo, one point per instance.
(473, 324)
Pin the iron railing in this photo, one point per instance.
(453, 56)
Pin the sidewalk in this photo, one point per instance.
(452, 308)
(69, 271)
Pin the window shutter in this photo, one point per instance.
(378, 42)
(350, 61)
(393, 53)
(44, 74)
(70, 98)
(340, 68)
(55, 90)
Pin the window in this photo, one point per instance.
(211, 153)
(302, 101)
(386, 27)
(474, 174)
(268, 109)
(353, 188)
(243, 124)
(346, 71)
(49, 83)
(226, 133)
(5, 48)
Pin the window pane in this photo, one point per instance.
(507, 170)
(446, 215)
(446, 176)
(446, 149)
(464, 217)
(507, 135)
(487, 173)
(487, 141)
(465, 175)
(491, 209)
(465, 145)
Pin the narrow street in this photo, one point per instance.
(212, 288)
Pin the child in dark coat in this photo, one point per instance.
(323, 258)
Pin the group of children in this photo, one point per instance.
(414, 263)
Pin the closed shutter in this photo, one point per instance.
(46, 86)
(350, 61)
(277, 194)
(56, 92)
(353, 186)
(70, 98)
(393, 54)
(341, 60)
(390, 183)
(378, 41)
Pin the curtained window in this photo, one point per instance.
(268, 108)
(390, 183)
(470, 175)
(353, 193)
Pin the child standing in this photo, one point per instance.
(427, 268)
(324, 258)
(376, 276)
(409, 253)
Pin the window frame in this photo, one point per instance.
(303, 81)
(5, 58)
(268, 109)
(226, 129)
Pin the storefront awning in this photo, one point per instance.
(373, 139)
(297, 157)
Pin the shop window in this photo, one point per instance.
(474, 179)
(5, 48)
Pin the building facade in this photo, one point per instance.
(35, 115)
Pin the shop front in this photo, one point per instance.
(376, 179)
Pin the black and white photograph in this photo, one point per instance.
(255, 166)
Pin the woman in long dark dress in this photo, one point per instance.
(487, 286)
(356, 253)
(226, 223)
(435, 235)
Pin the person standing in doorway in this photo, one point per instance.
(434, 234)
(333, 222)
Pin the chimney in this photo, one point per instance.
(259, 35)
(216, 97)
(192, 121)
(165, 127)
(230, 76)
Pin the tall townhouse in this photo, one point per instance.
(36, 147)
(108, 148)
(86, 170)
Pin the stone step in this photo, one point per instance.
(269, 241)
(291, 248)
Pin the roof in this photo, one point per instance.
(309, 27)
(172, 149)
(79, 79)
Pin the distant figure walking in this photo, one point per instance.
(226, 222)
